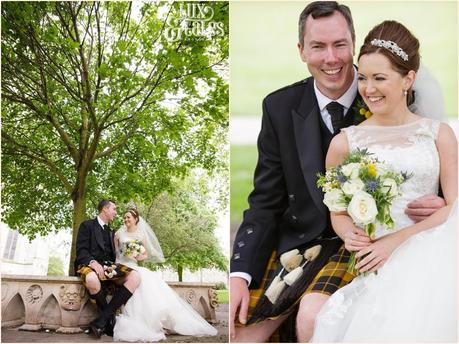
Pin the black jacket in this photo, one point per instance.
(285, 207)
(90, 244)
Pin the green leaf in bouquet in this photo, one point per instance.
(390, 223)
(357, 156)
(370, 229)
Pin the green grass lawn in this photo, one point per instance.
(243, 161)
(264, 56)
(222, 296)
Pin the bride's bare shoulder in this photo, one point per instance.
(338, 150)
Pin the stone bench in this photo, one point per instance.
(62, 303)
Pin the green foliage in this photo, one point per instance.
(55, 266)
(220, 286)
(184, 222)
(223, 296)
(96, 102)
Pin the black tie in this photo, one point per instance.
(106, 228)
(336, 111)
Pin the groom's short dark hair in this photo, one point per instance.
(103, 203)
(320, 9)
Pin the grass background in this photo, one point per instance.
(264, 57)
(222, 296)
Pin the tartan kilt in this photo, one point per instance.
(331, 276)
(121, 272)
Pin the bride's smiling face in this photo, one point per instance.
(380, 86)
(129, 220)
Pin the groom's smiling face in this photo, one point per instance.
(328, 50)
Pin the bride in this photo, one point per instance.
(412, 298)
(154, 308)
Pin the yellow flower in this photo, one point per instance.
(372, 172)
(362, 111)
(367, 114)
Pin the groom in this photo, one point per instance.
(94, 250)
(286, 208)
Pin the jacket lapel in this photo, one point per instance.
(309, 143)
(112, 240)
(98, 234)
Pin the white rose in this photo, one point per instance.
(352, 186)
(389, 186)
(362, 208)
(351, 170)
(381, 168)
(334, 200)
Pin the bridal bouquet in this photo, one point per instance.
(133, 248)
(365, 188)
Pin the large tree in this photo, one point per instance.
(185, 221)
(97, 102)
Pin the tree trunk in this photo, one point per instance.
(79, 215)
(180, 273)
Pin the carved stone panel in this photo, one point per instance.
(71, 296)
(34, 294)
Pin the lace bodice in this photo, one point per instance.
(124, 237)
(409, 148)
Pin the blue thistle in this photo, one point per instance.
(341, 178)
(406, 175)
(371, 185)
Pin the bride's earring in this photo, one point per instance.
(405, 92)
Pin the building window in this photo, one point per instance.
(10, 247)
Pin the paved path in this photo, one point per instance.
(13, 335)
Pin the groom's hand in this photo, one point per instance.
(239, 298)
(421, 208)
(97, 268)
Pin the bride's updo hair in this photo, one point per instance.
(393, 31)
(134, 213)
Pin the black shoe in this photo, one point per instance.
(95, 329)
(108, 314)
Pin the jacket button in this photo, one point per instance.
(301, 236)
(291, 198)
(236, 256)
(249, 230)
(241, 243)
(294, 219)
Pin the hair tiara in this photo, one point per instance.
(392, 46)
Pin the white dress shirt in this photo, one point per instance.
(345, 100)
(101, 223)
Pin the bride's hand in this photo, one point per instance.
(140, 257)
(377, 253)
(356, 239)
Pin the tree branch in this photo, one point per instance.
(40, 158)
(115, 147)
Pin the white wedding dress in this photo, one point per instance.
(413, 296)
(154, 307)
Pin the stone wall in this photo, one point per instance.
(62, 303)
